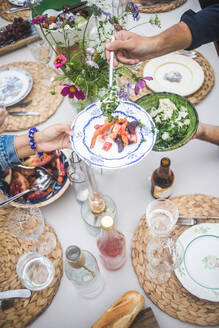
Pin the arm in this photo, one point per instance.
(204, 25)
(194, 30)
(209, 133)
(13, 148)
(131, 48)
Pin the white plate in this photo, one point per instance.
(19, 3)
(15, 85)
(186, 74)
(199, 271)
(83, 127)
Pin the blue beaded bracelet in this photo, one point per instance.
(31, 140)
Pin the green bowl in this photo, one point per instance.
(152, 100)
(54, 4)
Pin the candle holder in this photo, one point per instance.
(97, 205)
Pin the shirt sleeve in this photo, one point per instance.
(204, 25)
(8, 154)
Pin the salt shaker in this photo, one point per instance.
(81, 268)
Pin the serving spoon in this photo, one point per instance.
(44, 180)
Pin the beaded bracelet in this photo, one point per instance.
(31, 140)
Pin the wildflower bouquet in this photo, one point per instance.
(83, 67)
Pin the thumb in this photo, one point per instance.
(116, 45)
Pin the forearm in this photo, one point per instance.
(22, 145)
(209, 133)
(174, 38)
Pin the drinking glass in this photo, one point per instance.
(28, 224)
(164, 255)
(42, 52)
(35, 270)
(161, 216)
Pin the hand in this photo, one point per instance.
(130, 48)
(54, 137)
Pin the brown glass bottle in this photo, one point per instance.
(162, 180)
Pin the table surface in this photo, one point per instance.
(196, 171)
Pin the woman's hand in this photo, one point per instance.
(54, 137)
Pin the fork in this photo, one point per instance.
(192, 221)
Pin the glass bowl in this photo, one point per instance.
(152, 101)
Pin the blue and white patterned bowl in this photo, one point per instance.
(83, 127)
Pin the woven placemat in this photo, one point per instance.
(171, 297)
(42, 100)
(5, 5)
(158, 7)
(194, 98)
(27, 310)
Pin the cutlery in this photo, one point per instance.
(111, 67)
(15, 293)
(44, 180)
(15, 9)
(22, 105)
(192, 221)
(191, 54)
(24, 113)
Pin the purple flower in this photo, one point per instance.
(90, 51)
(72, 91)
(141, 84)
(124, 93)
(40, 19)
(134, 10)
(92, 64)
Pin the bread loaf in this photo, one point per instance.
(122, 313)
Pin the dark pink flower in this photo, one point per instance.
(141, 84)
(72, 91)
(59, 61)
(40, 19)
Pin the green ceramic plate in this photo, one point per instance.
(152, 100)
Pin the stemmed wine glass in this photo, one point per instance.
(28, 224)
(164, 252)
(42, 52)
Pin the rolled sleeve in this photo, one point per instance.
(204, 25)
(8, 154)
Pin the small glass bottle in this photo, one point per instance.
(162, 180)
(76, 177)
(111, 244)
(82, 269)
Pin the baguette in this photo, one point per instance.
(122, 313)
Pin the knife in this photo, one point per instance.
(15, 9)
(24, 113)
(15, 293)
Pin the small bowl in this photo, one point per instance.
(152, 100)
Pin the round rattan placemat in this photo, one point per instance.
(42, 100)
(171, 297)
(27, 310)
(159, 7)
(5, 5)
(194, 98)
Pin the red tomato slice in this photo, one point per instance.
(107, 145)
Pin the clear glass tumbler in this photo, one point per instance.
(164, 255)
(161, 216)
(35, 271)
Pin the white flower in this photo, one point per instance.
(165, 136)
(187, 121)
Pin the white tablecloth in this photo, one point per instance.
(196, 167)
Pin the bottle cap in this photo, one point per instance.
(165, 162)
(107, 222)
(73, 253)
